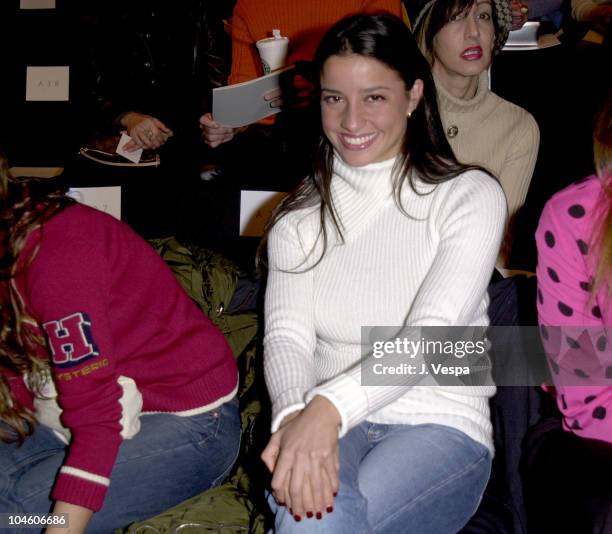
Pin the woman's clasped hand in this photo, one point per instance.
(303, 457)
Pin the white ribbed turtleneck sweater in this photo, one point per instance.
(431, 269)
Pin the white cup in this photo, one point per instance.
(273, 52)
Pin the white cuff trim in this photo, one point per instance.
(85, 475)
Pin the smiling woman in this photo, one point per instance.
(365, 121)
(384, 231)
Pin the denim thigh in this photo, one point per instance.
(171, 459)
(27, 471)
(422, 479)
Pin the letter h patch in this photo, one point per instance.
(70, 340)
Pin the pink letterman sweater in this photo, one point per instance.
(110, 307)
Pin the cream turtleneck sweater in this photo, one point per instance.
(429, 269)
(494, 133)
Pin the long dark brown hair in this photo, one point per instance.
(25, 205)
(425, 148)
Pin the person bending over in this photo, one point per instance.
(118, 395)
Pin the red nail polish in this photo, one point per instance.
(329, 509)
(336, 494)
(309, 515)
(319, 516)
(297, 518)
(291, 511)
(281, 504)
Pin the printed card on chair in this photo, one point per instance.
(47, 84)
(36, 4)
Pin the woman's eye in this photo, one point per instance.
(485, 16)
(376, 98)
(331, 99)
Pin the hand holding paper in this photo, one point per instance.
(245, 103)
(213, 133)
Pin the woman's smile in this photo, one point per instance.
(360, 142)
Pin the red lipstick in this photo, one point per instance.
(472, 53)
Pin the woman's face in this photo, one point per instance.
(364, 108)
(463, 47)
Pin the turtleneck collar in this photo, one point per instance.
(451, 103)
(359, 192)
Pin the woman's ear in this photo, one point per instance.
(414, 95)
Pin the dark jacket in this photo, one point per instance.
(158, 57)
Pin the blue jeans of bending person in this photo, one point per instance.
(171, 459)
(397, 479)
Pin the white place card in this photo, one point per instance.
(106, 199)
(36, 4)
(47, 84)
(255, 210)
(132, 156)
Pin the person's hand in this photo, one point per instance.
(78, 518)
(214, 134)
(274, 98)
(146, 131)
(520, 14)
(303, 457)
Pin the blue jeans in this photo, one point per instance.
(422, 479)
(171, 459)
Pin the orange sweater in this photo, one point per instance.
(303, 22)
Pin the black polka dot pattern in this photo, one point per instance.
(580, 373)
(554, 366)
(599, 412)
(585, 286)
(596, 311)
(590, 398)
(553, 275)
(540, 297)
(582, 247)
(576, 426)
(576, 211)
(602, 343)
(563, 403)
(565, 309)
(549, 238)
(572, 343)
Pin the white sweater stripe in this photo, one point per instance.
(86, 475)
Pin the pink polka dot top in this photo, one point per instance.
(574, 323)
